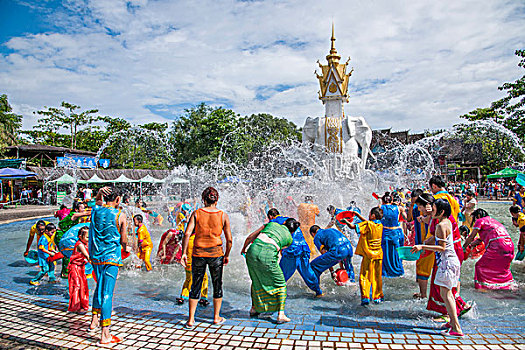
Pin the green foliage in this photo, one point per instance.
(55, 119)
(204, 134)
(10, 123)
(499, 150)
(197, 136)
(200, 136)
(513, 104)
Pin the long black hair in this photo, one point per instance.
(443, 206)
(478, 214)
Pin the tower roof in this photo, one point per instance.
(333, 56)
(334, 79)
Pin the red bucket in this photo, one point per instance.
(476, 252)
(55, 257)
(124, 254)
(341, 276)
(348, 215)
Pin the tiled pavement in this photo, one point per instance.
(45, 323)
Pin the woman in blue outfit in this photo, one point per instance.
(392, 237)
(295, 257)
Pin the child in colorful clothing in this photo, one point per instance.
(144, 240)
(46, 248)
(78, 285)
(518, 219)
(369, 247)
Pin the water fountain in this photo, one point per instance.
(335, 166)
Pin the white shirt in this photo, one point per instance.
(87, 193)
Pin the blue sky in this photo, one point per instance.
(418, 65)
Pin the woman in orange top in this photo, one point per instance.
(208, 224)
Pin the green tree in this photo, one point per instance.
(257, 132)
(10, 123)
(204, 134)
(508, 111)
(500, 149)
(54, 119)
(197, 136)
(512, 105)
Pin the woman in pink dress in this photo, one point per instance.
(493, 269)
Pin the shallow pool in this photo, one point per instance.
(340, 309)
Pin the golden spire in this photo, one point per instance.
(333, 56)
(334, 79)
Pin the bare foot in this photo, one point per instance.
(283, 319)
(110, 340)
(95, 323)
(221, 320)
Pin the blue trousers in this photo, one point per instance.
(333, 257)
(392, 264)
(45, 267)
(103, 295)
(289, 263)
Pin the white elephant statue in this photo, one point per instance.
(362, 134)
(310, 131)
(355, 133)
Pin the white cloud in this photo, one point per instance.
(418, 65)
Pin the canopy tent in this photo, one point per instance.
(150, 179)
(68, 179)
(124, 179)
(177, 180)
(10, 173)
(95, 179)
(504, 173)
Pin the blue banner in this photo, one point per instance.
(74, 161)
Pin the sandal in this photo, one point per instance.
(468, 307)
(441, 319)
(452, 334)
(114, 340)
(254, 314)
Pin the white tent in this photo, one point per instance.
(150, 179)
(177, 180)
(68, 179)
(95, 179)
(123, 178)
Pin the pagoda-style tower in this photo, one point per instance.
(334, 91)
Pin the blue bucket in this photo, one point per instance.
(405, 254)
(32, 257)
(520, 178)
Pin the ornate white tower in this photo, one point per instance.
(334, 92)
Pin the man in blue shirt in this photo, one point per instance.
(518, 197)
(334, 248)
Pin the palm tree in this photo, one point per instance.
(10, 123)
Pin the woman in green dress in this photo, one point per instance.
(262, 257)
(77, 212)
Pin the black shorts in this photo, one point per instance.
(198, 269)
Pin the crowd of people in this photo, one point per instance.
(437, 226)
